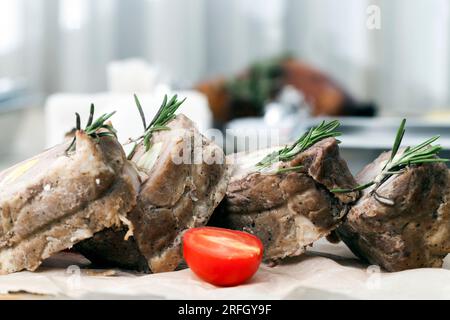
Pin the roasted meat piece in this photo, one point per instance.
(413, 231)
(289, 205)
(56, 199)
(185, 178)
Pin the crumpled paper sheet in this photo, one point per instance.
(326, 272)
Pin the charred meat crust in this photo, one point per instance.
(62, 199)
(174, 197)
(306, 211)
(259, 192)
(54, 186)
(415, 231)
(289, 211)
(324, 164)
(160, 219)
(121, 253)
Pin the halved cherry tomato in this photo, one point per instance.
(222, 257)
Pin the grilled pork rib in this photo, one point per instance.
(414, 232)
(292, 209)
(185, 179)
(54, 200)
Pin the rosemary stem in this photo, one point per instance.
(398, 162)
(163, 116)
(355, 189)
(315, 134)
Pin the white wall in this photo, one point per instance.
(65, 45)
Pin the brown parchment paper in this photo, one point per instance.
(326, 271)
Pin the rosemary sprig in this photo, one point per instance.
(92, 127)
(289, 169)
(397, 163)
(165, 114)
(315, 134)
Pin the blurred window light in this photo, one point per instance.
(73, 14)
(10, 26)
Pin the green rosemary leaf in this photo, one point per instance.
(71, 145)
(105, 134)
(436, 160)
(92, 127)
(163, 116)
(132, 152)
(91, 115)
(141, 112)
(160, 128)
(78, 121)
(424, 144)
(110, 129)
(397, 163)
(147, 141)
(358, 188)
(158, 114)
(288, 170)
(315, 134)
(398, 139)
(98, 123)
(395, 172)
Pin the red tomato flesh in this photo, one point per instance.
(222, 257)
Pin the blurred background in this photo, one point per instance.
(243, 64)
